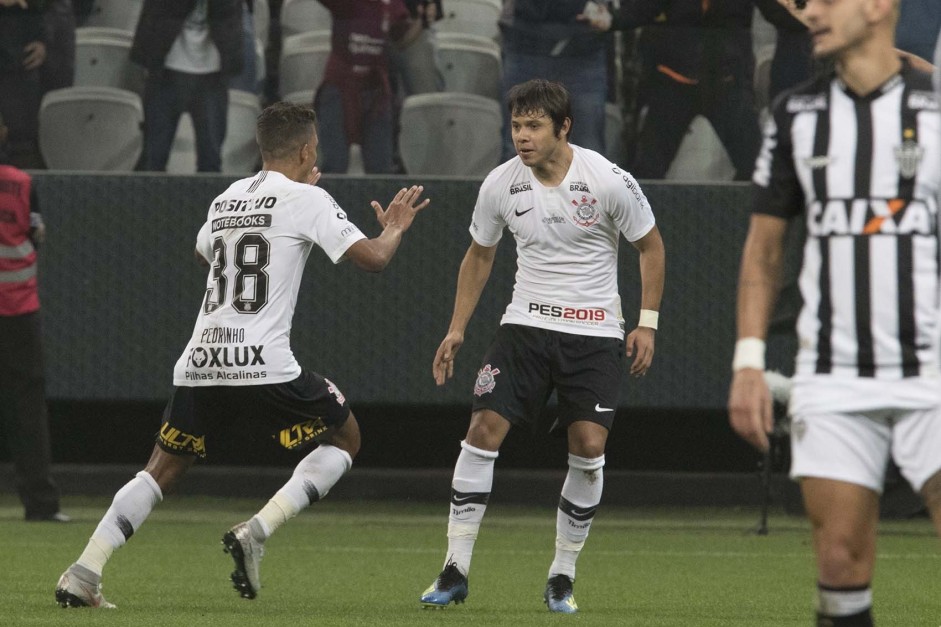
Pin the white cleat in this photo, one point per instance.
(79, 587)
(246, 552)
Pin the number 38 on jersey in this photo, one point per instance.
(250, 255)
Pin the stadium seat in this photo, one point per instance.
(301, 16)
(473, 17)
(450, 134)
(701, 157)
(303, 97)
(469, 64)
(239, 150)
(613, 127)
(303, 61)
(102, 59)
(262, 16)
(121, 14)
(91, 128)
(183, 151)
(762, 81)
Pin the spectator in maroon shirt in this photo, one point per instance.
(354, 102)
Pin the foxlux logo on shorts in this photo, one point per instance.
(486, 380)
(225, 356)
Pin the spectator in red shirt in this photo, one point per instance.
(354, 102)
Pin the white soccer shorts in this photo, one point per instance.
(855, 447)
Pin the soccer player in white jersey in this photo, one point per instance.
(859, 152)
(563, 330)
(238, 368)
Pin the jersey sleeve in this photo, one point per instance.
(487, 222)
(326, 224)
(628, 206)
(776, 190)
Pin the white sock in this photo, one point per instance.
(835, 602)
(312, 479)
(470, 491)
(581, 494)
(130, 508)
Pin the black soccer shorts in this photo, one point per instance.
(293, 414)
(525, 364)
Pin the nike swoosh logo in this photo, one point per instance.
(519, 213)
(458, 500)
(599, 408)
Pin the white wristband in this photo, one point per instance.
(749, 353)
(648, 318)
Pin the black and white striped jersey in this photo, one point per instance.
(866, 173)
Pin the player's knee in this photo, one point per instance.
(843, 560)
(931, 493)
(486, 431)
(347, 437)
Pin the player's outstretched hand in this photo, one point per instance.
(443, 367)
(403, 208)
(314, 177)
(640, 344)
(750, 407)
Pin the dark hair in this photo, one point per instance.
(541, 96)
(283, 128)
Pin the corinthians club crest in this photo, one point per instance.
(909, 155)
(485, 380)
(586, 214)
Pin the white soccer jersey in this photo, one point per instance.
(566, 240)
(257, 237)
(866, 171)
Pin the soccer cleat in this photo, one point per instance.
(559, 596)
(246, 552)
(451, 585)
(79, 587)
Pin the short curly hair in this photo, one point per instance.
(283, 128)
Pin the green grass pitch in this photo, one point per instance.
(342, 563)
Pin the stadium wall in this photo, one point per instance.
(120, 290)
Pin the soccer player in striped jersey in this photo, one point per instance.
(567, 208)
(858, 152)
(238, 369)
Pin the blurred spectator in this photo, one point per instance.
(247, 79)
(917, 30)
(697, 59)
(22, 395)
(543, 39)
(82, 9)
(59, 23)
(354, 102)
(415, 69)
(191, 48)
(22, 53)
(793, 61)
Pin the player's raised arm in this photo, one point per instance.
(750, 406)
(373, 255)
(475, 270)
